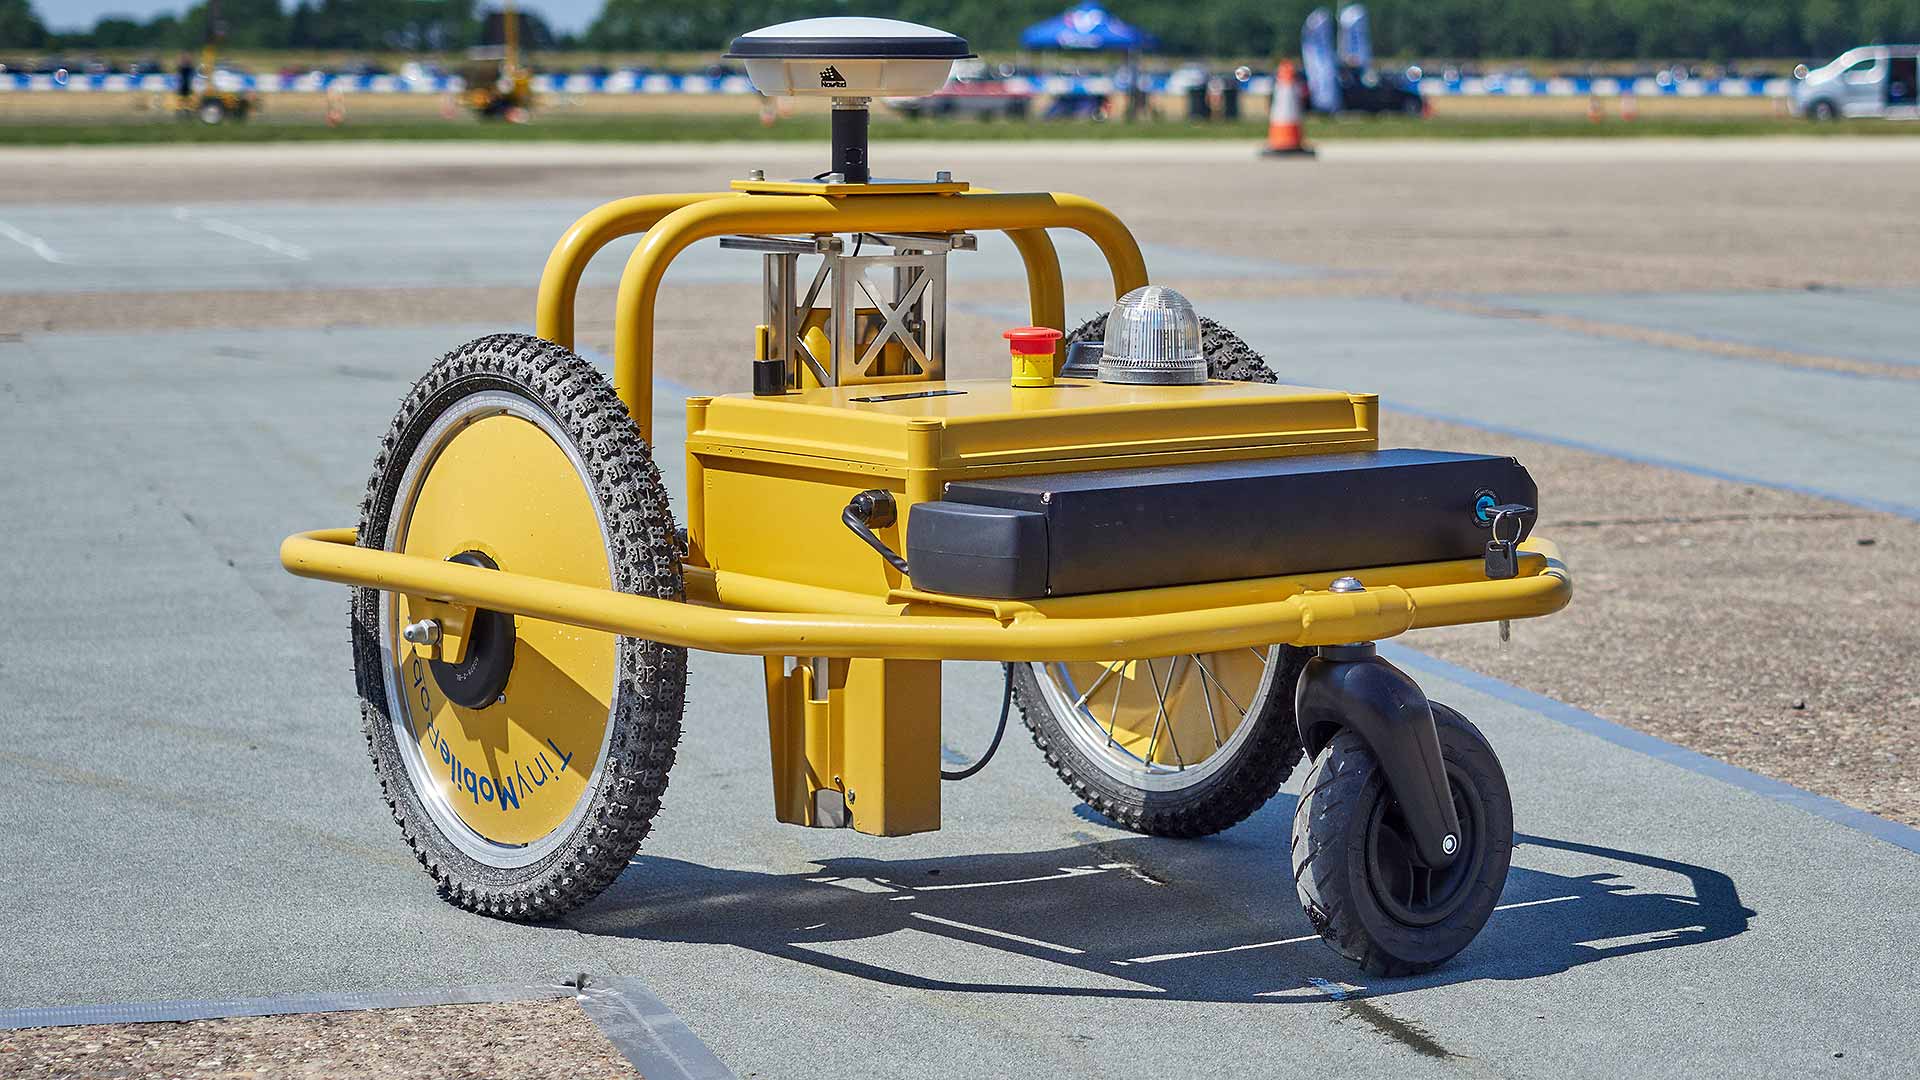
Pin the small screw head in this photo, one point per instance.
(850, 796)
(756, 174)
(1346, 584)
(1449, 843)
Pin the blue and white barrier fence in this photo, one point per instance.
(640, 82)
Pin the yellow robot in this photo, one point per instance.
(219, 97)
(499, 87)
(1181, 562)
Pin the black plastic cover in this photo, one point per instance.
(971, 550)
(1117, 529)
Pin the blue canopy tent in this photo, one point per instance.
(1088, 27)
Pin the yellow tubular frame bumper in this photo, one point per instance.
(1096, 628)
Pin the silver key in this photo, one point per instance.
(1503, 551)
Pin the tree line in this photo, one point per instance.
(1456, 29)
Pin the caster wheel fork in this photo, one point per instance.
(1398, 865)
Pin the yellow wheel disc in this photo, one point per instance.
(512, 773)
(1157, 722)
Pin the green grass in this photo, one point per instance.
(652, 127)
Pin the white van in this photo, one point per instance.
(1873, 80)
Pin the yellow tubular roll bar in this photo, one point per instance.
(673, 222)
(560, 281)
(1309, 617)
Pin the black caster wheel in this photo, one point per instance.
(1363, 888)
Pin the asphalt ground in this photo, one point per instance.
(198, 820)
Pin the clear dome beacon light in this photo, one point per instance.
(852, 60)
(1153, 338)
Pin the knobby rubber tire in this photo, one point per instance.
(1262, 762)
(1329, 852)
(650, 678)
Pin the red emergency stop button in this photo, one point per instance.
(1032, 348)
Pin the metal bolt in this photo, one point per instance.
(1346, 584)
(943, 177)
(850, 797)
(424, 632)
(1449, 843)
(756, 174)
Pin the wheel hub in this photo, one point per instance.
(1409, 891)
(479, 679)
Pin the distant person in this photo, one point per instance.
(185, 70)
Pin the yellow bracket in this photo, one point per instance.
(673, 222)
(1146, 622)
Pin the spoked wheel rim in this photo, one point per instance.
(496, 481)
(1165, 723)
(1408, 891)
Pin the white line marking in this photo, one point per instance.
(1216, 952)
(242, 233)
(1157, 958)
(1069, 950)
(31, 243)
(1533, 903)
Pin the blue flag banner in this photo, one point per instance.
(1356, 37)
(1316, 51)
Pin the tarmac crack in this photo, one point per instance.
(1399, 1029)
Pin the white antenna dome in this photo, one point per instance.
(848, 57)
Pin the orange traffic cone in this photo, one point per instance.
(1284, 135)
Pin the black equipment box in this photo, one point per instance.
(1066, 533)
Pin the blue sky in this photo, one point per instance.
(75, 14)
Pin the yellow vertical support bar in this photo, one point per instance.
(923, 459)
(888, 717)
(786, 742)
(696, 491)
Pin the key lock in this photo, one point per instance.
(1508, 522)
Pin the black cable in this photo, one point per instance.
(1006, 707)
(871, 509)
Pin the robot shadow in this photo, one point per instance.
(1137, 917)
